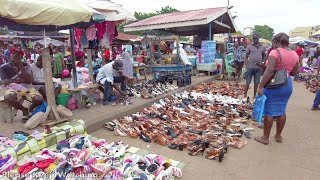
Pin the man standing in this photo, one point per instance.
(299, 51)
(109, 75)
(239, 55)
(254, 60)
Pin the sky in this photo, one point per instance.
(281, 15)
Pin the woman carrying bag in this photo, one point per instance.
(276, 85)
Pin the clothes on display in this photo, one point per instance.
(78, 34)
(90, 158)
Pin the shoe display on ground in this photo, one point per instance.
(207, 119)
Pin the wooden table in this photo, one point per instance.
(92, 89)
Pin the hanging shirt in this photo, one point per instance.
(239, 54)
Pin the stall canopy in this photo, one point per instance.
(296, 40)
(112, 11)
(187, 23)
(35, 15)
(50, 41)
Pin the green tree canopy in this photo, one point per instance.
(264, 31)
(237, 33)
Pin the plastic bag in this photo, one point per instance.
(72, 103)
(65, 73)
(258, 108)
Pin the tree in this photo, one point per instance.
(142, 15)
(264, 31)
(3, 31)
(237, 33)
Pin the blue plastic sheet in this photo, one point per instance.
(258, 108)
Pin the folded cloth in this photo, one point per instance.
(41, 108)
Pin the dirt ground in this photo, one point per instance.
(298, 157)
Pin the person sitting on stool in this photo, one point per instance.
(109, 75)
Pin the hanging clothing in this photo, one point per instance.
(84, 40)
(111, 30)
(77, 34)
(127, 64)
(91, 33)
(101, 27)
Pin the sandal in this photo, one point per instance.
(7, 142)
(240, 144)
(37, 135)
(145, 137)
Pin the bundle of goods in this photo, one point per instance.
(312, 82)
(200, 120)
(207, 52)
(92, 158)
(182, 79)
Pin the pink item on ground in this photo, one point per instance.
(72, 103)
(65, 73)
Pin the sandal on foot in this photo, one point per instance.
(261, 140)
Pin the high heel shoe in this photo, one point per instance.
(196, 149)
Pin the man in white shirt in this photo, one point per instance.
(38, 78)
(109, 75)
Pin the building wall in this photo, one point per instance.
(304, 32)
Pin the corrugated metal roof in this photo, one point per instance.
(126, 37)
(179, 17)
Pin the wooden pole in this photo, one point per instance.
(46, 60)
(74, 70)
(89, 56)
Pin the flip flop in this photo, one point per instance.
(260, 140)
(37, 135)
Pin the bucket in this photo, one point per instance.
(62, 99)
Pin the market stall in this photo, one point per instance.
(45, 16)
(203, 23)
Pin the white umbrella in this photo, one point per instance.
(49, 41)
(112, 11)
(46, 12)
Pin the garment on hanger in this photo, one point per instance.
(84, 40)
(91, 33)
(77, 34)
(101, 27)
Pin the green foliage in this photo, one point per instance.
(184, 38)
(3, 31)
(237, 33)
(141, 15)
(264, 31)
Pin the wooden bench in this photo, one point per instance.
(91, 88)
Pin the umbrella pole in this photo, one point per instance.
(74, 70)
(46, 59)
(89, 57)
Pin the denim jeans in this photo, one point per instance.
(316, 101)
(108, 88)
(255, 74)
(296, 77)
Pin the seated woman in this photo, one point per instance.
(17, 75)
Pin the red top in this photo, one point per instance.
(290, 59)
(107, 54)
(299, 51)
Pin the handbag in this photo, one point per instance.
(279, 78)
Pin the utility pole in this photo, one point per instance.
(228, 2)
